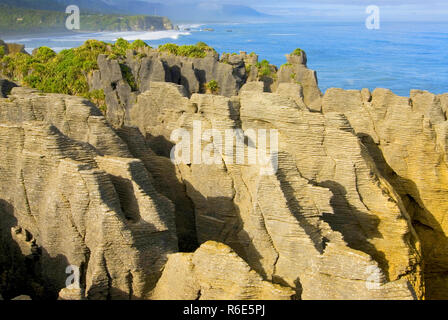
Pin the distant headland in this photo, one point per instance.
(25, 20)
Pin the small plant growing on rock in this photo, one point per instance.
(297, 52)
(128, 77)
(169, 47)
(199, 50)
(212, 87)
(137, 44)
(98, 98)
(264, 69)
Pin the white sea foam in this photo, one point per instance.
(190, 26)
(155, 35)
(107, 36)
(130, 36)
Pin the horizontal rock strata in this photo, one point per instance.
(351, 206)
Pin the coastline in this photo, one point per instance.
(341, 57)
(35, 35)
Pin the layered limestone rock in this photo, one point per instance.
(119, 95)
(152, 66)
(407, 138)
(214, 272)
(71, 294)
(327, 220)
(296, 71)
(349, 204)
(123, 81)
(75, 198)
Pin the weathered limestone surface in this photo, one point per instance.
(407, 137)
(295, 71)
(294, 91)
(119, 94)
(71, 294)
(191, 73)
(76, 197)
(353, 208)
(327, 213)
(214, 272)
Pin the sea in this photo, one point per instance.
(399, 55)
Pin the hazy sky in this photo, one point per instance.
(339, 9)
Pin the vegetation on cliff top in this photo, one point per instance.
(264, 69)
(47, 71)
(297, 52)
(200, 50)
(66, 72)
(14, 19)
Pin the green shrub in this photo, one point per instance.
(138, 44)
(202, 45)
(120, 47)
(128, 76)
(199, 50)
(264, 68)
(2, 51)
(16, 66)
(169, 47)
(191, 52)
(141, 56)
(44, 54)
(213, 86)
(297, 52)
(65, 72)
(97, 97)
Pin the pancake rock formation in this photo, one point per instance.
(351, 203)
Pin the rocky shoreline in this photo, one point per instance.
(355, 210)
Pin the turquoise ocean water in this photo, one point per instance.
(400, 56)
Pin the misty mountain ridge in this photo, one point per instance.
(196, 12)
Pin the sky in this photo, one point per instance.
(417, 10)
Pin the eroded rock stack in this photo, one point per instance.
(326, 209)
(354, 210)
(72, 195)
